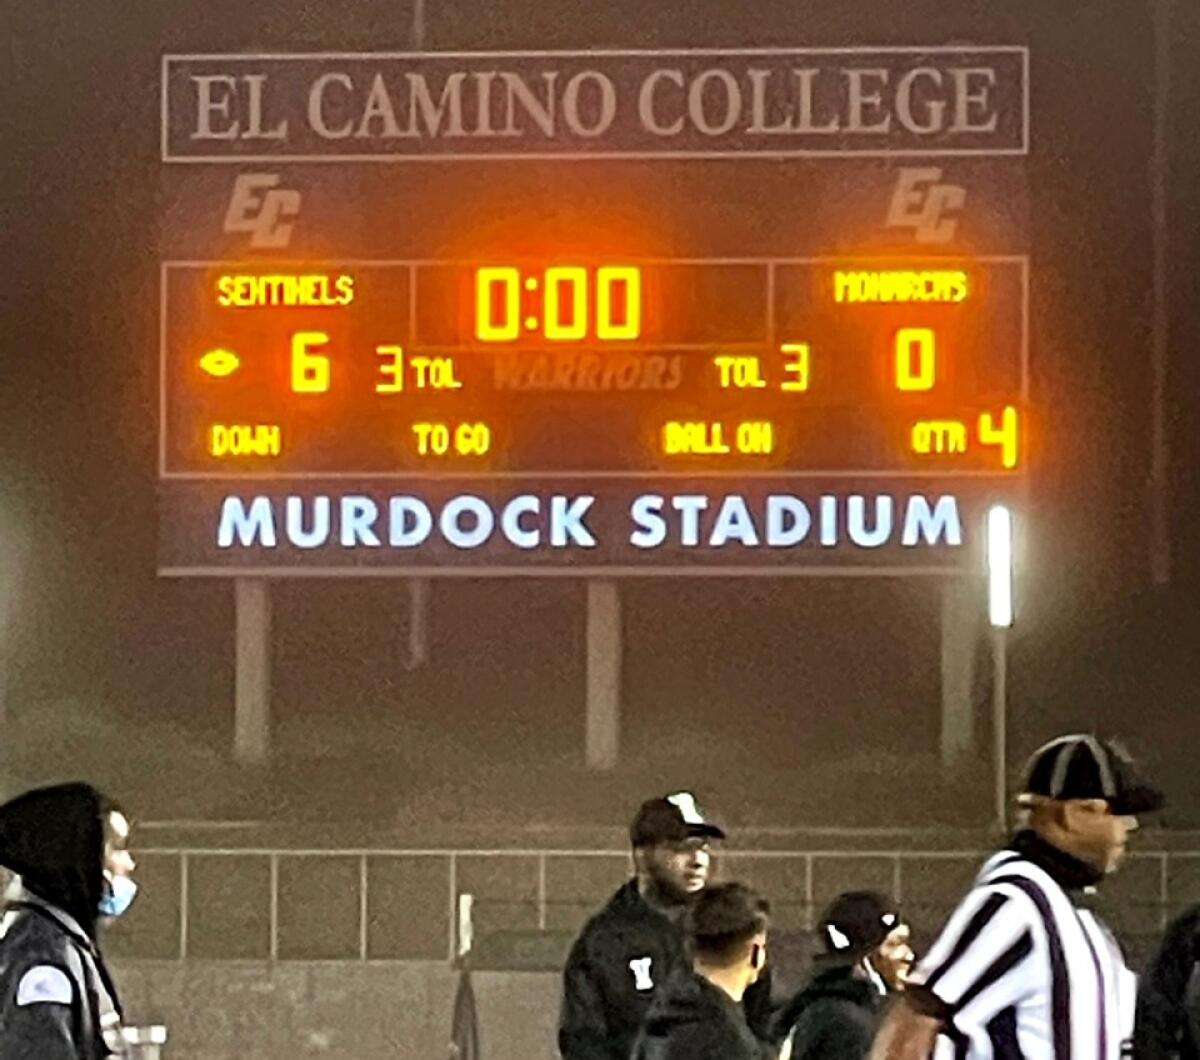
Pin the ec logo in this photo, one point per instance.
(921, 202)
(260, 207)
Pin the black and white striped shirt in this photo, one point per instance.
(1021, 971)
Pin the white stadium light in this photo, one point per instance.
(1000, 566)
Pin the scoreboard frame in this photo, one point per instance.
(337, 128)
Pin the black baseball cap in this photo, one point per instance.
(1086, 767)
(855, 925)
(671, 819)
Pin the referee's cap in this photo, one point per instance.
(1085, 767)
(671, 819)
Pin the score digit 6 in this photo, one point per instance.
(310, 371)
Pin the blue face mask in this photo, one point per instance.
(118, 897)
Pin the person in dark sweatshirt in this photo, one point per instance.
(69, 847)
(699, 1015)
(1168, 1001)
(867, 956)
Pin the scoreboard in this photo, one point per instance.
(599, 368)
(565, 405)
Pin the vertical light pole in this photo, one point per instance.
(1000, 615)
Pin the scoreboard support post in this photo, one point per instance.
(603, 673)
(418, 623)
(252, 689)
(961, 605)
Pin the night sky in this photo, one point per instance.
(113, 671)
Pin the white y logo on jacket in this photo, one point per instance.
(640, 966)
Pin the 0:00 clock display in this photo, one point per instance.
(575, 304)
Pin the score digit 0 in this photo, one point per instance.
(916, 359)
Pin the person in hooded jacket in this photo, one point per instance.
(637, 942)
(69, 848)
(700, 1016)
(867, 956)
(1168, 1002)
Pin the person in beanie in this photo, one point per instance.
(699, 1016)
(1024, 968)
(69, 849)
(866, 956)
(636, 942)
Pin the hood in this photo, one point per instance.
(839, 983)
(682, 1000)
(53, 838)
(845, 984)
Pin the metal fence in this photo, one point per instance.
(368, 904)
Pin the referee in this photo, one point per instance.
(1023, 969)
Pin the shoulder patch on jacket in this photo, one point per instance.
(45, 984)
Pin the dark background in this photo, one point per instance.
(791, 703)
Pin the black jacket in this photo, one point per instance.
(57, 1001)
(690, 1019)
(1168, 1010)
(624, 953)
(833, 1018)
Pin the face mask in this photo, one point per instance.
(118, 897)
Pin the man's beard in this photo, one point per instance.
(663, 891)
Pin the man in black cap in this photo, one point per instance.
(699, 1016)
(1024, 968)
(628, 949)
(69, 847)
(867, 956)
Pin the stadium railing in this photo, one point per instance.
(403, 904)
